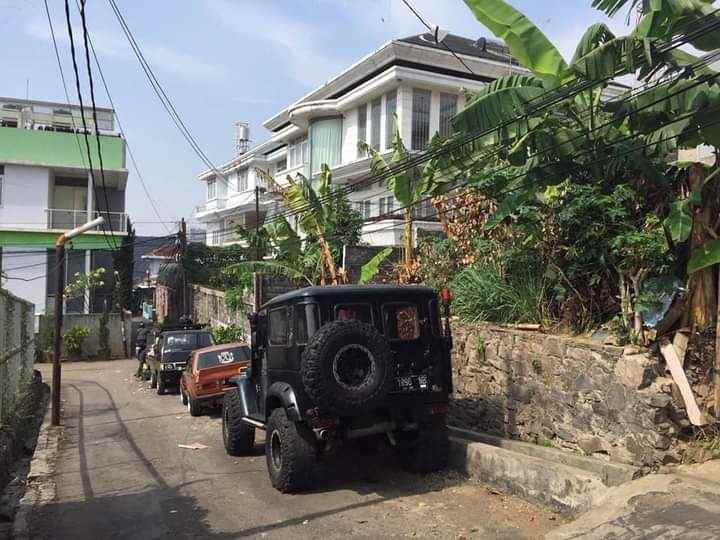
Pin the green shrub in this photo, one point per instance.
(231, 333)
(482, 293)
(74, 339)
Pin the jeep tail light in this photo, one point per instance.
(446, 296)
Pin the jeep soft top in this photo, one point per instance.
(335, 363)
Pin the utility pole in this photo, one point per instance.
(183, 248)
(59, 293)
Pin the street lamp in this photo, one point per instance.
(60, 269)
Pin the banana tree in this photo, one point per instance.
(315, 213)
(582, 135)
(409, 187)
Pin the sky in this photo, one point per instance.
(222, 61)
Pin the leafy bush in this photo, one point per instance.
(482, 293)
(74, 339)
(232, 333)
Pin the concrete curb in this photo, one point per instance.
(609, 472)
(40, 488)
(563, 488)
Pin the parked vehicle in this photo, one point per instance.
(169, 355)
(331, 364)
(208, 372)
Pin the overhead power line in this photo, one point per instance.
(162, 94)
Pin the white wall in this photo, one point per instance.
(35, 268)
(25, 197)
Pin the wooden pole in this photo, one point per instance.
(60, 269)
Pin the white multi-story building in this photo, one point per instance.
(46, 189)
(415, 80)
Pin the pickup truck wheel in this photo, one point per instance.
(160, 385)
(426, 450)
(194, 407)
(238, 437)
(291, 453)
(153, 379)
(347, 367)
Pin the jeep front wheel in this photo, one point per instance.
(426, 450)
(238, 436)
(291, 453)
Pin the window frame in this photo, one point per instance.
(211, 189)
(376, 123)
(390, 120)
(385, 305)
(242, 180)
(362, 113)
(350, 304)
(417, 114)
(302, 308)
(288, 340)
(445, 126)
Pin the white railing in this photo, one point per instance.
(59, 218)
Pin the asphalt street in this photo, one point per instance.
(122, 474)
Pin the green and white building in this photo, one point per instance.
(46, 188)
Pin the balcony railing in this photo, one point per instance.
(59, 218)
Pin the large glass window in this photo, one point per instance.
(390, 112)
(362, 127)
(354, 312)
(401, 321)
(298, 153)
(242, 180)
(279, 327)
(375, 115)
(325, 143)
(448, 110)
(386, 205)
(211, 189)
(420, 119)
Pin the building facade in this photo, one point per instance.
(46, 189)
(413, 83)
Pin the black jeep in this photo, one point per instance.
(335, 363)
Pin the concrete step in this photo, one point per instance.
(545, 476)
(609, 472)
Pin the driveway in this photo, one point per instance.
(122, 474)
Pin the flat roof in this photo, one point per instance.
(350, 290)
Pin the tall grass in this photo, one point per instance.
(483, 293)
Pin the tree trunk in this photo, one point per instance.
(637, 281)
(408, 238)
(625, 310)
(329, 261)
(703, 286)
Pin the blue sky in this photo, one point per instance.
(227, 60)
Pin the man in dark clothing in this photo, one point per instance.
(140, 346)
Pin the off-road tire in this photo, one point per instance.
(238, 436)
(426, 450)
(160, 384)
(296, 446)
(194, 407)
(153, 380)
(320, 378)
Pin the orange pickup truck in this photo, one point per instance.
(205, 379)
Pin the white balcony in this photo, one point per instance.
(61, 219)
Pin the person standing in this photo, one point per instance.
(140, 347)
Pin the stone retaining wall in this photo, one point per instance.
(569, 393)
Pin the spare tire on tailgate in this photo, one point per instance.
(347, 367)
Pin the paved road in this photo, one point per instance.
(121, 474)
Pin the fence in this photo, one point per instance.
(17, 343)
(91, 345)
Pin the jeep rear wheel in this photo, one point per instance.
(347, 367)
(238, 436)
(426, 450)
(290, 452)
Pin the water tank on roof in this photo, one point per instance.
(242, 137)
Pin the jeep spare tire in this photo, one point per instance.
(347, 367)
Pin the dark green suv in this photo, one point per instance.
(330, 364)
